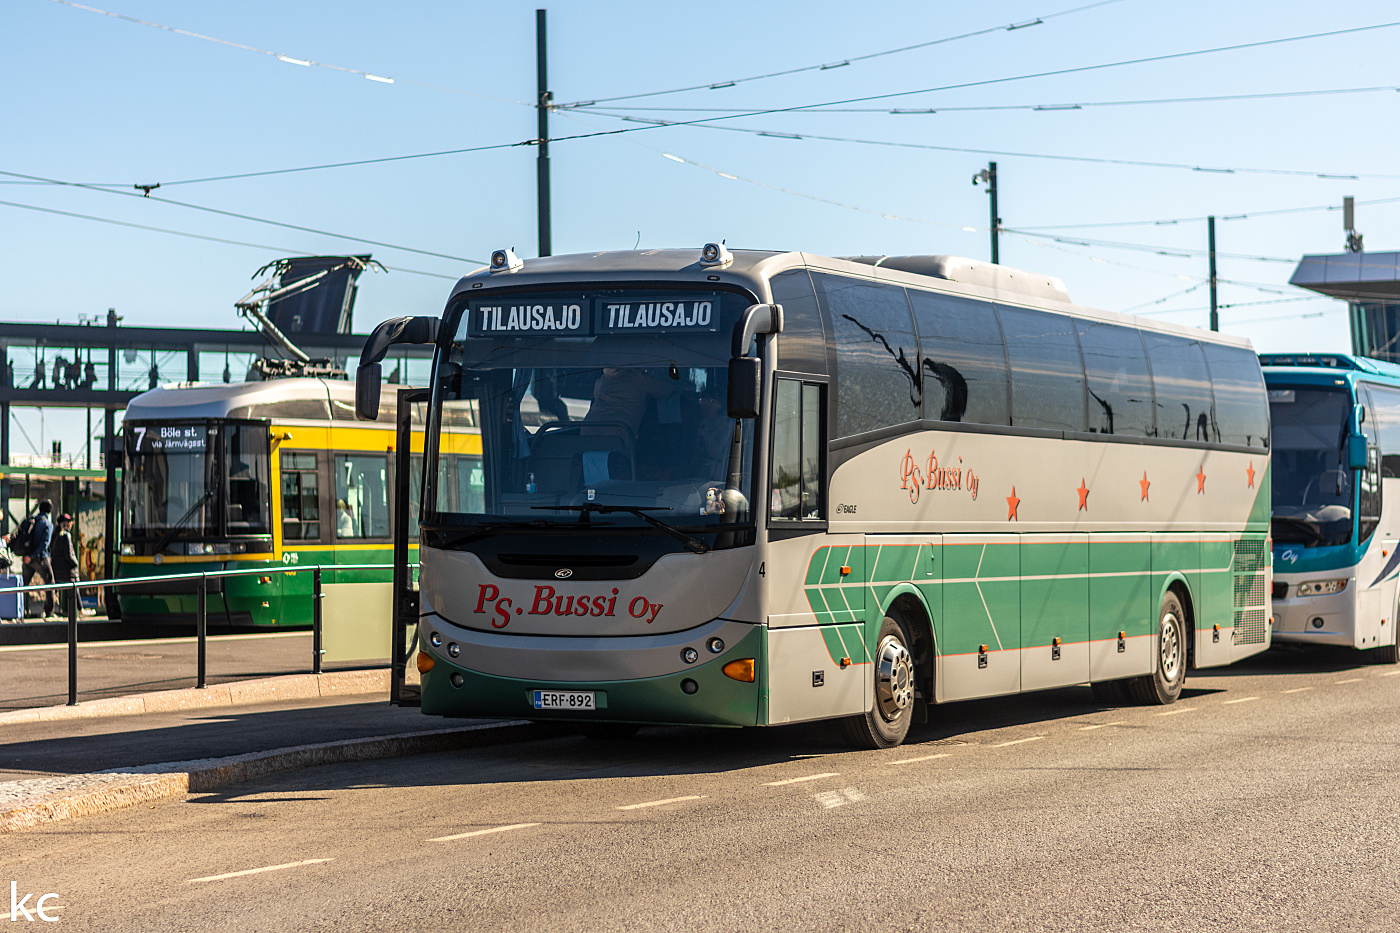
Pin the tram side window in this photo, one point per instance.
(1047, 370)
(962, 359)
(461, 484)
(797, 452)
(1241, 401)
(1118, 379)
(1182, 386)
(361, 496)
(876, 354)
(248, 482)
(301, 498)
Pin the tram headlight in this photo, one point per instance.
(128, 550)
(1321, 587)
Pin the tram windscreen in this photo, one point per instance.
(1312, 488)
(591, 400)
(196, 480)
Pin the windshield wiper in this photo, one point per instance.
(641, 511)
(165, 538)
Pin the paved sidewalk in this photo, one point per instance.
(68, 767)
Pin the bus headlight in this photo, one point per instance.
(1321, 587)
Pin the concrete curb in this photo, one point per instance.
(38, 803)
(238, 693)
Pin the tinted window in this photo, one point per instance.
(802, 346)
(1182, 385)
(875, 352)
(1047, 372)
(1119, 380)
(1241, 405)
(797, 460)
(962, 359)
(1382, 425)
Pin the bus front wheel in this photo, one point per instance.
(1164, 684)
(887, 721)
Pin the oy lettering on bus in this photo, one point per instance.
(547, 603)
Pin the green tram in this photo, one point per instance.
(273, 474)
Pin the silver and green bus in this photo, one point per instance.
(751, 488)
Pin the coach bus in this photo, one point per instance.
(257, 474)
(1336, 422)
(751, 488)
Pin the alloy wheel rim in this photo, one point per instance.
(894, 678)
(1171, 647)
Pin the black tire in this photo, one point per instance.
(1164, 684)
(887, 721)
(609, 731)
(1111, 692)
(1386, 654)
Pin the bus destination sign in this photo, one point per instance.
(685, 313)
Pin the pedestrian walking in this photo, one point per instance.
(37, 560)
(64, 558)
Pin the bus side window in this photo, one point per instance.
(1370, 495)
(797, 488)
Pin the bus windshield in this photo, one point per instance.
(1312, 489)
(588, 430)
(196, 480)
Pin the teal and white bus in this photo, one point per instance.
(751, 488)
(1336, 422)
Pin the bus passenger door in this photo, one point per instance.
(1054, 610)
(404, 689)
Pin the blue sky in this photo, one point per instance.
(100, 100)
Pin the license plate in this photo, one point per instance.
(564, 699)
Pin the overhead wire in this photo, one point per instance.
(289, 59)
(248, 217)
(828, 66)
(198, 236)
(1053, 107)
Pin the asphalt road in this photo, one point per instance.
(37, 675)
(1264, 800)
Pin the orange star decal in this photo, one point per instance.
(1250, 473)
(1201, 478)
(1083, 495)
(1144, 484)
(1011, 505)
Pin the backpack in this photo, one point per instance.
(22, 541)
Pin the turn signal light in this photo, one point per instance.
(740, 670)
(425, 662)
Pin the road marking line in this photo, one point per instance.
(853, 795)
(830, 799)
(1351, 681)
(1100, 725)
(1034, 738)
(257, 871)
(1392, 674)
(1301, 689)
(1240, 700)
(657, 803)
(799, 780)
(1173, 712)
(484, 832)
(909, 761)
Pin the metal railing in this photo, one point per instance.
(202, 579)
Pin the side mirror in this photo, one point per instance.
(367, 379)
(1356, 451)
(745, 383)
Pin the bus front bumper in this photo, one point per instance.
(698, 693)
(1315, 620)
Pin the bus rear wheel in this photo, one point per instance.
(887, 721)
(1164, 684)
